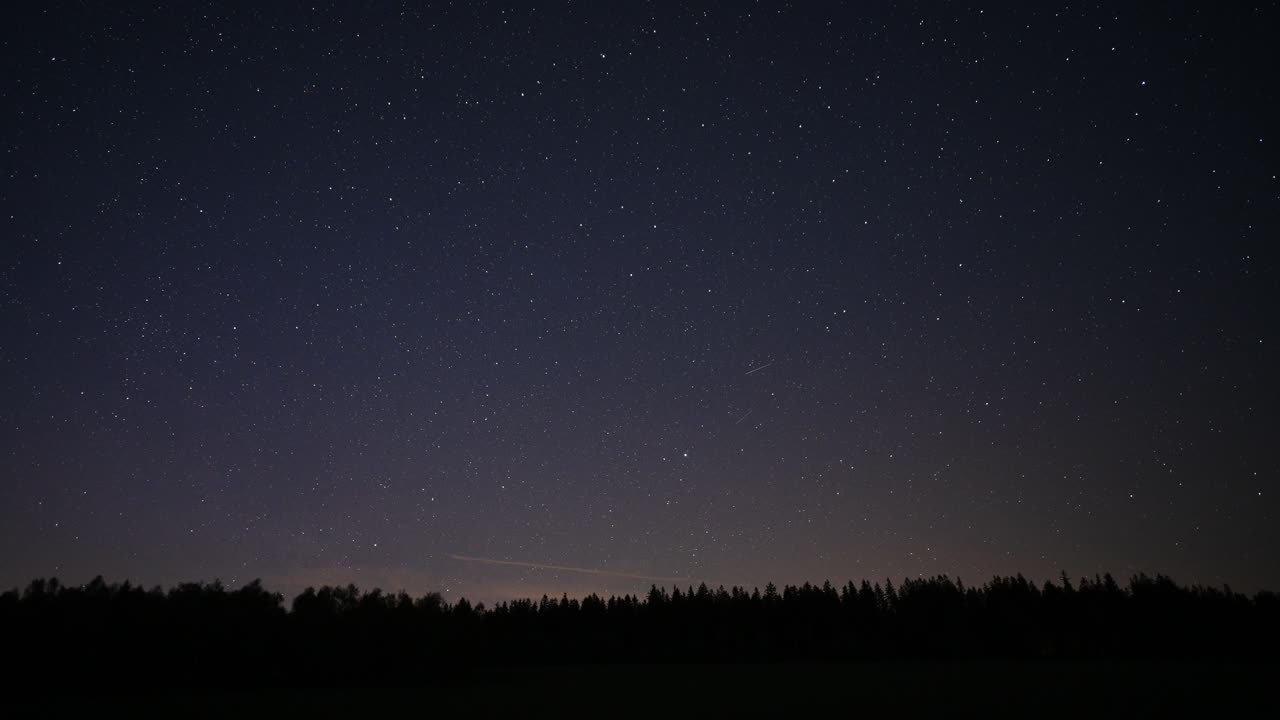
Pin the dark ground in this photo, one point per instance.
(1002, 689)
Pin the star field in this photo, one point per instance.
(735, 293)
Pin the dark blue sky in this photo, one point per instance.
(733, 293)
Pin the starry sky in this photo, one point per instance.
(498, 300)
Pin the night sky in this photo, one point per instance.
(498, 301)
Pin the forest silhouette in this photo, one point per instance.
(207, 634)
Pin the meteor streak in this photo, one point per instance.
(565, 568)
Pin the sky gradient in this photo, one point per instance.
(440, 298)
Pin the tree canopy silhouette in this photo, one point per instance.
(204, 633)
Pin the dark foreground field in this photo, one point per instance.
(1077, 689)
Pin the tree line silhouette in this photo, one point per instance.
(203, 633)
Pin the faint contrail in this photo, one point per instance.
(744, 417)
(566, 568)
(756, 370)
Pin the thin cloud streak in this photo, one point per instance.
(565, 568)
